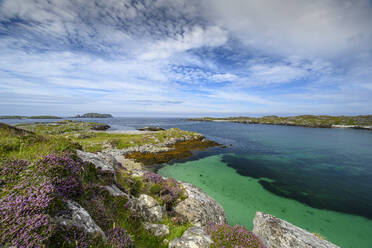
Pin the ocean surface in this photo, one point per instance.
(318, 179)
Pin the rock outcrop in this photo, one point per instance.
(103, 161)
(194, 237)
(277, 233)
(147, 207)
(158, 230)
(199, 208)
(80, 217)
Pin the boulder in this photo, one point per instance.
(103, 161)
(199, 208)
(156, 229)
(78, 216)
(147, 207)
(277, 233)
(102, 127)
(194, 237)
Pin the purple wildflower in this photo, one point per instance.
(119, 238)
(227, 236)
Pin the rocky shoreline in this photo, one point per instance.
(363, 122)
(93, 184)
(198, 208)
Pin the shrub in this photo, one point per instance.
(64, 173)
(10, 169)
(153, 178)
(227, 236)
(37, 193)
(169, 190)
(24, 217)
(119, 238)
(156, 188)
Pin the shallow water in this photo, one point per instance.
(318, 179)
(242, 196)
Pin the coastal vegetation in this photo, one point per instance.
(43, 181)
(94, 115)
(322, 121)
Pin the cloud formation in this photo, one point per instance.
(185, 57)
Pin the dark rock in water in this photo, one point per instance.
(150, 129)
(101, 127)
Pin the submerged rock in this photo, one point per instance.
(156, 229)
(147, 207)
(277, 233)
(194, 237)
(199, 208)
(81, 218)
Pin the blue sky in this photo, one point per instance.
(185, 57)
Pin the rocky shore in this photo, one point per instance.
(199, 209)
(77, 195)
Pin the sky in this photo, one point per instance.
(185, 57)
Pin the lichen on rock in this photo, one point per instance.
(277, 233)
(194, 237)
(199, 208)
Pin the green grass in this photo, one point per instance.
(20, 144)
(91, 141)
(175, 230)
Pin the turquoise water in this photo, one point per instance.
(318, 179)
(242, 196)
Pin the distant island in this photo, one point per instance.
(19, 117)
(94, 115)
(320, 121)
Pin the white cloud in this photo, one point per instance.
(308, 28)
(224, 77)
(195, 37)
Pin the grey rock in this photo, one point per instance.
(103, 161)
(147, 207)
(81, 218)
(101, 127)
(277, 233)
(114, 190)
(156, 229)
(194, 237)
(199, 208)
